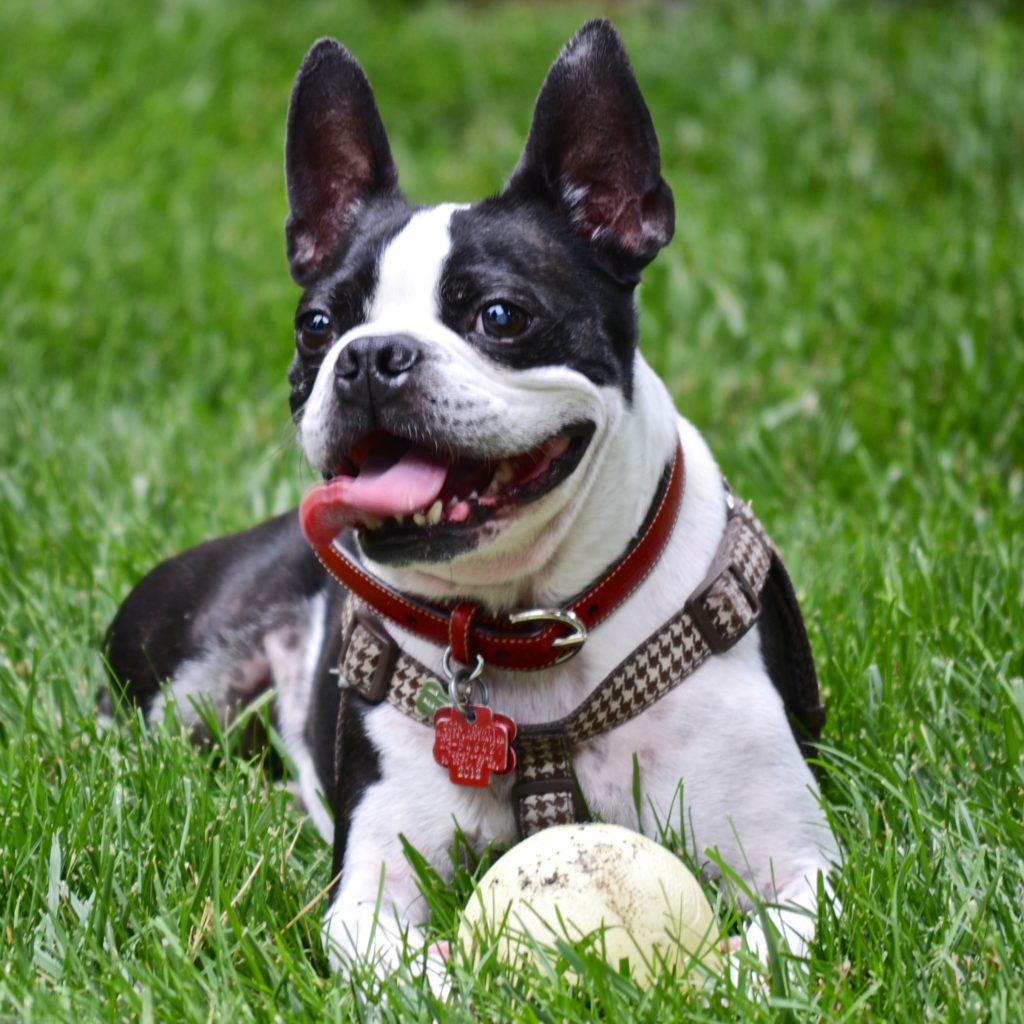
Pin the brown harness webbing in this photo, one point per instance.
(745, 571)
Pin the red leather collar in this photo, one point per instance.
(519, 640)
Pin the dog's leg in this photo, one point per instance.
(377, 914)
(218, 625)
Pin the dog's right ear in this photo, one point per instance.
(336, 155)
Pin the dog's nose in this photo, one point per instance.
(373, 368)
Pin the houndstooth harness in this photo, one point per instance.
(745, 582)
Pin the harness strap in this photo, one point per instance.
(546, 792)
(719, 612)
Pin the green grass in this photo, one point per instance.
(841, 312)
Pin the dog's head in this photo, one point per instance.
(464, 374)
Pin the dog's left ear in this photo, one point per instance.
(593, 154)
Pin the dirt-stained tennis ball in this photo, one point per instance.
(628, 897)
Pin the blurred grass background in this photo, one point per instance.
(841, 312)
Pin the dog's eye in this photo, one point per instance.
(314, 330)
(501, 320)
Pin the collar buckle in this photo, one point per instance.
(571, 644)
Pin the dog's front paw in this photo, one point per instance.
(363, 934)
(367, 937)
(778, 937)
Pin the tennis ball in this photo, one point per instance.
(637, 902)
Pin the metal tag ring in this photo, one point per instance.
(461, 683)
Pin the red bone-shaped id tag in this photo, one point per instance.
(473, 743)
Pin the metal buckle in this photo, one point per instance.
(695, 607)
(563, 616)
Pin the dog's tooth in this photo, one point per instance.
(434, 513)
(504, 471)
(400, 519)
(473, 496)
(372, 523)
(419, 519)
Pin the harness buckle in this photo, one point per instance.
(721, 639)
(367, 657)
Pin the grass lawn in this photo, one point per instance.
(841, 312)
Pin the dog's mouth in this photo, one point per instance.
(398, 490)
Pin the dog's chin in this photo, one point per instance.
(480, 499)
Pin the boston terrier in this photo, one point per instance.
(522, 590)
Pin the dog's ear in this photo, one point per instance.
(592, 151)
(336, 155)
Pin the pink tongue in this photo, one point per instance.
(412, 484)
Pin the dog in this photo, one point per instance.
(454, 623)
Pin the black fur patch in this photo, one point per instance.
(582, 316)
(358, 765)
(322, 717)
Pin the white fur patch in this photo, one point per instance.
(410, 270)
(405, 302)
